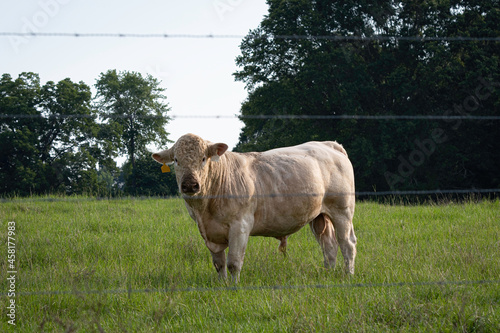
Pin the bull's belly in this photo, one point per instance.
(285, 219)
(279, 232)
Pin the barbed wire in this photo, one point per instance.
(130, 291)
(258, 196)
(259, 116)
(347, 116)
(263, 36)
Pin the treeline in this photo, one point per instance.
(366, 75)
(58, 138)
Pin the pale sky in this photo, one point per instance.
(197, 73)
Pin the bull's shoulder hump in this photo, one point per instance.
(240, 160)
(244, 156)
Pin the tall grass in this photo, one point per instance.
(87, 265)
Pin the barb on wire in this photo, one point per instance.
(374, 117)
(266, 116)
(258, 288)
(230, 36)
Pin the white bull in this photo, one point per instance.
(232, 196)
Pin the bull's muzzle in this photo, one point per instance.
(190, 185)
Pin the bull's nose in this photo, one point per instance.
(190, 188)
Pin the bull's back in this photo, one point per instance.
(315, 161)
(291, 184)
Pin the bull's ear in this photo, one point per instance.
(216, 150)
(164, 156)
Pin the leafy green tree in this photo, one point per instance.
(18, 136)
(134, 114)
(48, 137)
(326, 77)
(67, 135)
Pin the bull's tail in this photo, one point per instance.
(337, 146)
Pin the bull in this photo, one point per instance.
(232, 196)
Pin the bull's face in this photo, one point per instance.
(191, 156)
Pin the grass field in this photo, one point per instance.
(85, 266)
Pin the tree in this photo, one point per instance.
(67, 138)
(325, 77)
(47, 136)
(134, 113)
(18, 136)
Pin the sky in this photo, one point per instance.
(196, 72)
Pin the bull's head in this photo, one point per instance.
(191, 156)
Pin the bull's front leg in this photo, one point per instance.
(238, 239)
(219, 260)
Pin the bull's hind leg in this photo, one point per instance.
(322, 229)
(342, 222)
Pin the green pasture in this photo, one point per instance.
(86, 265)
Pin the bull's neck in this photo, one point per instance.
(213, 189)
(218, 174)
(226, 184)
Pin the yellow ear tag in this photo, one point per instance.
(165, 168)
